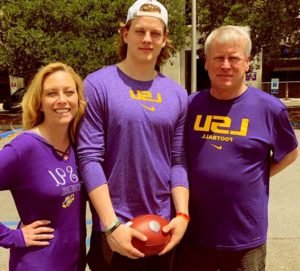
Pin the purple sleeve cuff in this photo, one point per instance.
(10, 238)
(179, 176)
(92, 175)
(285, 139)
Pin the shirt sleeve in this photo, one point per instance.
(10, 238)
(91, 139)
(9, 164)
(179, 167)
(284, 138)
(8, 175)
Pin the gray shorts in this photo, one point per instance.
(193, 258)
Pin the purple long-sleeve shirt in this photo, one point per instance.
(132, 137)
(43, 186)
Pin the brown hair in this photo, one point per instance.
(165, 53)
(32, 101)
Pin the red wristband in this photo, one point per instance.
(185, 216)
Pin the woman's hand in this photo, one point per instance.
(37, 233)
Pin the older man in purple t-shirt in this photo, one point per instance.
(237, 137)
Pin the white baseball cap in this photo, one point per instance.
(135, 11)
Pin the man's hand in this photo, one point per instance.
(120, 241)
(177, 226)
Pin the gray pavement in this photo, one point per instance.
(284, 219)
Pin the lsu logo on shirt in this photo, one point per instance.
(219, 128)
(68, 201)
(146, 96)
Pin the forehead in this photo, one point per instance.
(233, 47)
(148, 22)
(57, 78)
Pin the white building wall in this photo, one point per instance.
(175, 68)
(15, 83)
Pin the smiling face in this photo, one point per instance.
(59, 99)
(227, 64)
(145, 38)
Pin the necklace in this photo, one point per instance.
(64, 154)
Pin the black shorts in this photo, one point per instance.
(101, 258)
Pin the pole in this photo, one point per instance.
(194, 52)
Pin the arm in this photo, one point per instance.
(11, 238)
(284, 149)
(180, 186)
(180, 197)
(91, 151)
(285, 162)
(120, 239)
(178, 224)
(178, 151)
(34, 234)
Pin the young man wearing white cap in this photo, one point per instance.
(131, 145)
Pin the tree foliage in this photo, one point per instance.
(81, 33)
(272, 22)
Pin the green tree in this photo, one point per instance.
(272, 22)
(81, 33)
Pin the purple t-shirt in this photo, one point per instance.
(229, 145)
(43, 186)
(132, 137)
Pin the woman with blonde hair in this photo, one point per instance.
(39, 168)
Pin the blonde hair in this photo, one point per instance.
(229, 33)
(165, 52)
(32, 101)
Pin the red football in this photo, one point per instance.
(151, 226)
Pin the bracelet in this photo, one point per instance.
(184, 215)
(110, 229)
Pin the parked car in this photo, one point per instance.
(4, 84)
(13, 103)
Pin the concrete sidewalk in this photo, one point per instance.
(284, 220)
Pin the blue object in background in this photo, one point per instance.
(8, 133)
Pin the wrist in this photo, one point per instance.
(112, 227)
(184, 216)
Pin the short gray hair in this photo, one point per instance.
(229, 33)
